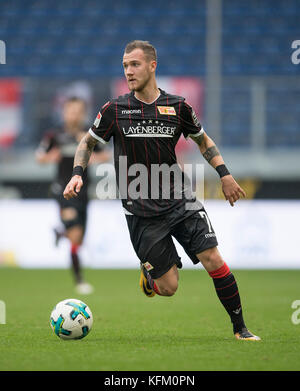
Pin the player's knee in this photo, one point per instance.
(76, 241)
(75, 235)
(169, 289)
(211, 257)
(168, 283)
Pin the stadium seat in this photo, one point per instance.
(75, 38)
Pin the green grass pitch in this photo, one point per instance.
(189, 331)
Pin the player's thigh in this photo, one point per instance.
(168, 282)
(162, 261)
(196, 235)
(75, 234)
(153, 245)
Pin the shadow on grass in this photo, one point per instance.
(165, 340)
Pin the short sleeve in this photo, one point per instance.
(190, 124)
(103, 126)
(48, 142)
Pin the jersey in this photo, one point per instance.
(67, 144)
(144, 137)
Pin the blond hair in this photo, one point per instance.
(148, 49)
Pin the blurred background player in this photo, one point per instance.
(58, 146)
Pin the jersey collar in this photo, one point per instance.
(146, 103)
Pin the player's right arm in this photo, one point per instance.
(102, 130)
(81, 159)
(48, 150)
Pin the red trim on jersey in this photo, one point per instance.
(170, 150)
(105, 104)
(134, 155)
(123, 145)
(223, 271)
(179, 107)
(105, 108)
(108, 129)
(133, 149)
(129, 109)
(149, 176)
(172, 185)
(146, 151)
(168, 105)
(122, 136)
(158, 149)
(142, 110)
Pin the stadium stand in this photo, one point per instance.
(256, 42)
(86, 39)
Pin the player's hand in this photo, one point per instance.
(73, 187)
(231, 190)
(53, 156)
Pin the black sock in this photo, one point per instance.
(76, 263)
(228, 293)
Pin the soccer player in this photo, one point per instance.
(58, 147)
(145, 126)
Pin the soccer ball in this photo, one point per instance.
(71, 319)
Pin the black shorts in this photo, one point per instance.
(73, 212)
(152, 238)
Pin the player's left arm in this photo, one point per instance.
(231, 190)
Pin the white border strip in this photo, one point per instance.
(196, 134)
(127, 212)
(148, 135)
(97, 137)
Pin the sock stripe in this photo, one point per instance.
(152, 284)
(228, 294)
(227, 286)
(155, 288)
(221, 272)
(74, 248)
(228, 297)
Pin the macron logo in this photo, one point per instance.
(131, 111)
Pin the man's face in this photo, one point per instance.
(74, 113)
(138, 69)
